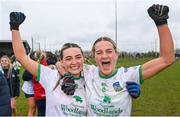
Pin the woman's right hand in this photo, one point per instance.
(60, 68)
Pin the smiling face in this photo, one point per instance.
(105, 57)
(73, 60)
(5, 62)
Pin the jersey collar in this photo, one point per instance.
(110, 76)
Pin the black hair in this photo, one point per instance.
(51, 58)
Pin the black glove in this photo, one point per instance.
(16, 18)
(68, 85)
(133, 89)
(159, 14)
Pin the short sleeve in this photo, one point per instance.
(134, 74)
(46, 76)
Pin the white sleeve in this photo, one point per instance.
(46, 76)
(134, 74)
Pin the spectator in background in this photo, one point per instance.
(16, 65)
(51, 59)
(12, 77)
(5, 105)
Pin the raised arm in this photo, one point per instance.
(159, 14)
(16, 18)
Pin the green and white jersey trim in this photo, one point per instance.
(108, 96)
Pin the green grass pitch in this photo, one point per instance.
(160, 96)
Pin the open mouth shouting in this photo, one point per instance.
(106, 65)
(106, 68)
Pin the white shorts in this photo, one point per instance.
(28, 87)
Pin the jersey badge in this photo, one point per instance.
(117, 87)
(78, 99)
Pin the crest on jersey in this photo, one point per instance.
(117, 86)
(106, 99)
(78, 99)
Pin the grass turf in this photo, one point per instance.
(160, 95)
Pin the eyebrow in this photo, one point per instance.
(105, 50)
(79, 55)
(71, 56)
(109, 49)
(68, 57)
(98, 50)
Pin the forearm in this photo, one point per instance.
(16, 19)
(166, 57)
(18, 46)
(20, 53)
(159, 14)
(166, 45)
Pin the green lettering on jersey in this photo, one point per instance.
(105, 111)
(68, 110)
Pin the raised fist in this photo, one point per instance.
(16, 18)
(68, 85)
(159, 13)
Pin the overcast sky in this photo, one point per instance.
(55, 22)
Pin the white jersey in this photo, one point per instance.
(57, 102)
(108, 96)
(28, 87)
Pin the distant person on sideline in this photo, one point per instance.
(5, 104)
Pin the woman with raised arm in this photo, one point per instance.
(106, 86)
(59, 102)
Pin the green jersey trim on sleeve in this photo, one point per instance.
(38, 74)
(140, 75)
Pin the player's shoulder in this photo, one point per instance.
(89, 67)
(130, 67)
(123, 70)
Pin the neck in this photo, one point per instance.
(108, 75)
(77, 75)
